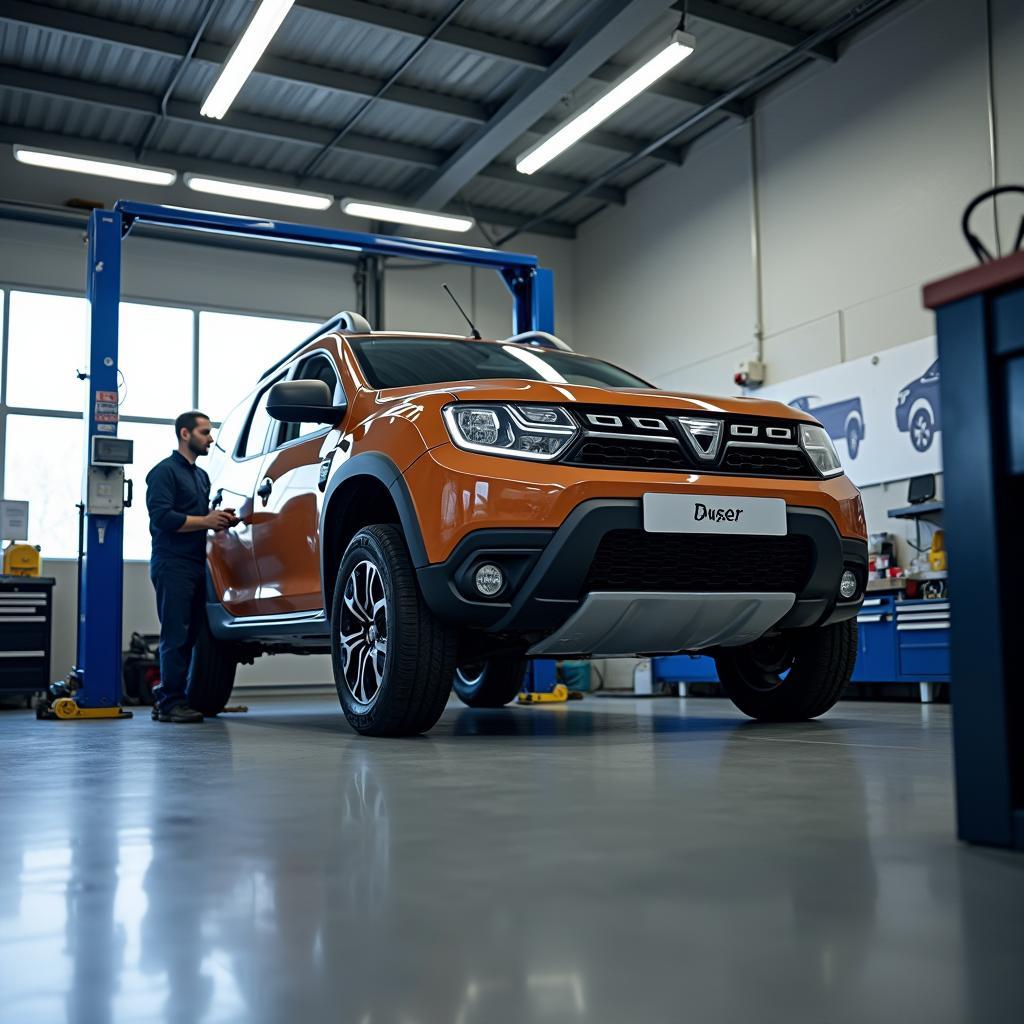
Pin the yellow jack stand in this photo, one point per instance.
(66, 709)
(559, 695)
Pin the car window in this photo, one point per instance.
(401, 362)
(314, 368)
(255, 434)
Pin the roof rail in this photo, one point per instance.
(345, 321)
(540, 339)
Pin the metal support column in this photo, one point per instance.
(99, 627)
(533, 298)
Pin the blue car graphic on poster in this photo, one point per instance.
(844, 421)
(917, 408)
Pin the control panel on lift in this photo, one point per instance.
(105, 493)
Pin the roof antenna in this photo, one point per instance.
(476, 333)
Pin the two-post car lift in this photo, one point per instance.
(95, 690)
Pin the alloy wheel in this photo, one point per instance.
(921, 431)
(364, 632)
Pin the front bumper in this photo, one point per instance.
(547, 586)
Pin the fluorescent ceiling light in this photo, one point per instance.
(258, 193)
(89, 165)
(403, 215)
(601, 109)
(243, 57)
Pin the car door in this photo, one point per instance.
(286, 534)
(237, 458)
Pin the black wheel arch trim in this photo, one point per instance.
(376, 466)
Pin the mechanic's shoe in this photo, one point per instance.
(181, 714)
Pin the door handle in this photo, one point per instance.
(265, 488)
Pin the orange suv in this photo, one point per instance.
(434, 510)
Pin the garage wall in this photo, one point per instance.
(52, 257)
(862, 171)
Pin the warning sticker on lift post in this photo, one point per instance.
(105, 410)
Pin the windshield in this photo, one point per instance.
(403, 362)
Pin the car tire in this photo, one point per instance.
(212, 675)
(490, 684)
(791, 678)
(922, 429)
(393, 660)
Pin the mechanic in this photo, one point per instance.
(178, 499)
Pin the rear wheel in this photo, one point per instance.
(792, 677)
(212, 675)
(491, 683)
(393, 661)
(853, 438)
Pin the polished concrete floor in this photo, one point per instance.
(614, 860)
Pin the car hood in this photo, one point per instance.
(501, 390)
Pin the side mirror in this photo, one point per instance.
(303, 401)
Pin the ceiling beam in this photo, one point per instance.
(167, 44)
(268, 127)
(752, 25)
(14, 134)
(613, 24)
(417, 26)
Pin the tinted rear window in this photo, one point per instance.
(404, 362)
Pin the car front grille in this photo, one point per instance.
(611, 452)
(653, 440)
(640, 561)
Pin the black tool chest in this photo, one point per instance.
(26, 621)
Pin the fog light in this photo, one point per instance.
(489, 579)
(847, 585)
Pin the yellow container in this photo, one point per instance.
(22, 560)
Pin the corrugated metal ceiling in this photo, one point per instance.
(89, 82)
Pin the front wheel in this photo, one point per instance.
(490, 684)
(792, 677)
(393, 661)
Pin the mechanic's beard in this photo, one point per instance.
(197, 448)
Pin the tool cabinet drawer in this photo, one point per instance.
(26, 615)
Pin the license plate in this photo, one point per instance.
(707, 513)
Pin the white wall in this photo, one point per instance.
(864, 168)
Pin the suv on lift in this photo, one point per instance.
(434, 510)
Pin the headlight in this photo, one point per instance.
(903, 396)
(522, 431)
(820, 449)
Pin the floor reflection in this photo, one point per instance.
(610, 861)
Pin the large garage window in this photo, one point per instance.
(171, 358)
(154, 355)
(47, 341)
(234, 352)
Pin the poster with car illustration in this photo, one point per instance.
(881, 411)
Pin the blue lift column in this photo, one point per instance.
(99, 628)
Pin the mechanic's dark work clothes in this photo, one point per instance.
(175, 489)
